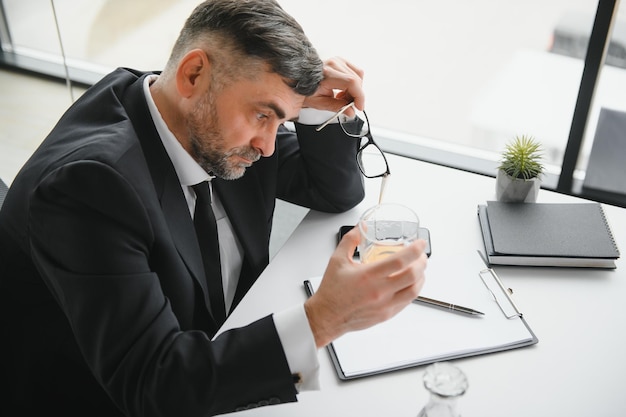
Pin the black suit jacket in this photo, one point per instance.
(103, 304)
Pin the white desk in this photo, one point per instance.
(578, 367)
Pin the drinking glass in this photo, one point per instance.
(446, 384)
(386, 229)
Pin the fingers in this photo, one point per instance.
(392, 265)
(346, 79)
(342, 84)
(354, 296)
(400, 276)
(413, 277)
(349, 242)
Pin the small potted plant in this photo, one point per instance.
(519, 174)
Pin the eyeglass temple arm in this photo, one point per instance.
(334, 116)
(383, 184)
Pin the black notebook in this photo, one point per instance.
(550, 234)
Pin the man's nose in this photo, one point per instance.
(265, 141)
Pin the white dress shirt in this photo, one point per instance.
(292, 324)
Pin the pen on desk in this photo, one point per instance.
(449, 306)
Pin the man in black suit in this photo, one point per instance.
(105, 304)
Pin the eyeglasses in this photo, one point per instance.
(370, 158)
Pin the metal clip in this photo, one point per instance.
(506, 304)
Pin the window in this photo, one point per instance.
(459, 77)
(600, 163)
(467, 73)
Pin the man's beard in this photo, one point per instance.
(207, 143)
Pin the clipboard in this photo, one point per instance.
(420, 335)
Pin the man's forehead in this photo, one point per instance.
(272, 91)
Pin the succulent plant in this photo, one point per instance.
(522, 158)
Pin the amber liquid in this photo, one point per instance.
(376, 251)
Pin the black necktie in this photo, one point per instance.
(206, 230)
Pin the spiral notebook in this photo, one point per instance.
(421, 334)
(548, 234)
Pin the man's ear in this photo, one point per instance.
(193, 73)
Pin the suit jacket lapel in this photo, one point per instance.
(166, 184)
(243, 201)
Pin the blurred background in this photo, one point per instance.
(461, 77)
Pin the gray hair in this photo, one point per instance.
(257, 31)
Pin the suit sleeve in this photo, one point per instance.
(91, 237)
(318, 170)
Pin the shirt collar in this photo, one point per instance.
(188, 170)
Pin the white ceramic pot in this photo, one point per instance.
(516, 190)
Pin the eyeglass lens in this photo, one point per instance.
(357, 126)
(371, 160)
(370, 157)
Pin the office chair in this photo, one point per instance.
(3, 191)
(605, 179)
(6, 394)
